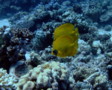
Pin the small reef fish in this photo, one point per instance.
(65, 41)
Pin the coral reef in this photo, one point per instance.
(10, 7)
(7, 82)
(48, 75)
(26, 44)
(41, 40)
(14, 46)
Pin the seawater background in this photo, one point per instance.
(26, 39)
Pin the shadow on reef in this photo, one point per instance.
(14, 46)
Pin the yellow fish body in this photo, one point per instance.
(65, 40)
(64, 46)
(65, 29)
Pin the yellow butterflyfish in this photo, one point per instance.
(65, 29)
(65, 40)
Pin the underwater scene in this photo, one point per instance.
(55, 44)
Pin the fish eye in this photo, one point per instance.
(55, 52)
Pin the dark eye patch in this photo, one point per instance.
(55, 52)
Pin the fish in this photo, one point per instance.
(65, 41)
(65, 29)
(64, 46)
